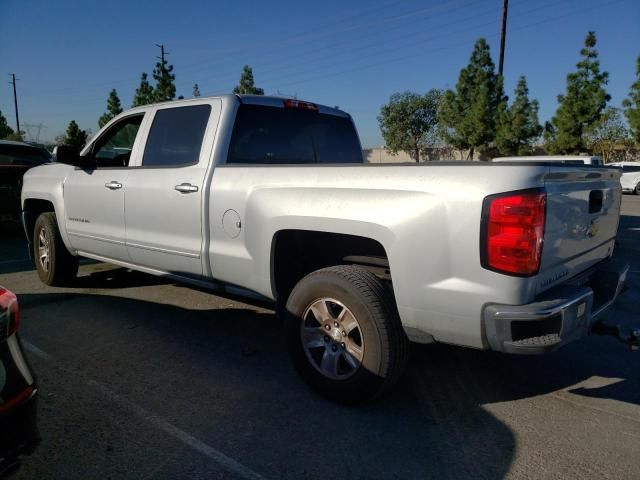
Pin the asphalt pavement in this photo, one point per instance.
(142, 378)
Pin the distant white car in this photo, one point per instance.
(630, 179)
(571, 159)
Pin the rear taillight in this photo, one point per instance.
(9, 313)
(512, 231)
(17, 400)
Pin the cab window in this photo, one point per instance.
(113, 148)
(175, 138)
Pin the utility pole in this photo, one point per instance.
(503, 35)
(15, 100)
(161, 57)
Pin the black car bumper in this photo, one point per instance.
(558, 316)
(19, 433)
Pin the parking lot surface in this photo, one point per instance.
(142, 378)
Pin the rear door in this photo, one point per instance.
(94, 198)
(164, 197)
(583, 209)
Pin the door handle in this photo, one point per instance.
(186, 188)
(113, 185)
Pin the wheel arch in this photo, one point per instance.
(295, 253)
(32, 208)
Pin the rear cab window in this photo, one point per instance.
(277, 135)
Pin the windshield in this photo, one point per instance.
(23, 155)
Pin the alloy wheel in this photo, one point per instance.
(332, 338)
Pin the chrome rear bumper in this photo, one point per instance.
(558, 316)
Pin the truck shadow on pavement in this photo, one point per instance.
(224, 376)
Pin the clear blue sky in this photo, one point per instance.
(355, 54)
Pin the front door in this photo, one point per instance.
(94, 197)
(163, 213)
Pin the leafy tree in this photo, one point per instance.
(165, 82)
(518, 125)
(113, 108)
(409, 121)
(469, 115)
(144, 93)
(632, 106)
(196, 90)
(75, 136)
(582, 106)
(5, 129)
(247, 85)
(610, 133)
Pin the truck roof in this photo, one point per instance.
(266, 100)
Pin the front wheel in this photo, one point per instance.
(637, 189)
(345, 335)
(54, 263)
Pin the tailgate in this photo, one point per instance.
(583, 209)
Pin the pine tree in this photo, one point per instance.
(165, 82)
(518, 125)
(632, 106)
(469, 115)
(581, 106)
(196, 90)
(75, 136)
(246, 84)
(5, 129)
(144, 93)
(113, 108)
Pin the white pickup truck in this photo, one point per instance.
(271, 195)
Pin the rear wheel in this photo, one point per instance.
(54, 263)
(637, 189)
(345, 335)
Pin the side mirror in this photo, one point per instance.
(70, 154)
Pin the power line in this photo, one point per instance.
(302, 38)
(413, 40)
(15, 100)
(274, 80)
(406, 57)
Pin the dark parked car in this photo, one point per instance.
(18, 392)
(15, 159)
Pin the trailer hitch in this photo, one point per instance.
(632, 338)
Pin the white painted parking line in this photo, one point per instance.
(217, 456)
(30, 347)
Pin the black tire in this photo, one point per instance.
(636, 190)
(61, 267)
(385, 346)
